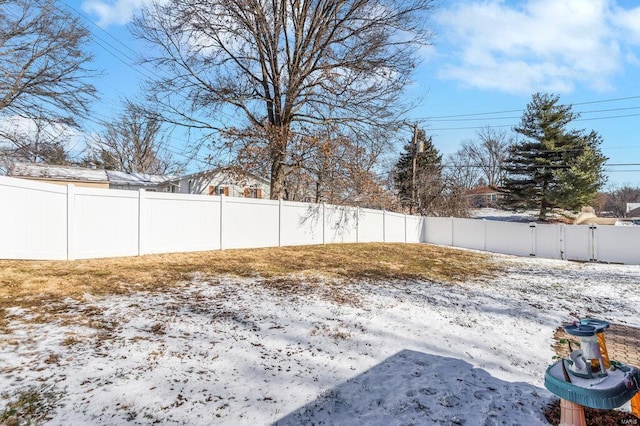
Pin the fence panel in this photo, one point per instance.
(438, 230)
(340, 224)
(370, 226)
(301, 223)
(179, 222)
(509, 238)
(249, 223)
(469, 233)
(105, 223)
(33, 220)
(578, 242)
(548, 241)
(618, 244)
(415, 229)
(394, 228)
(45, 221)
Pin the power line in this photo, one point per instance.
(608, 100)
(516, 117)
(126, 56)
(130, 57)
(522, 109)
(498, 126)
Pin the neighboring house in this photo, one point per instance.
(633, 210)
(226, 181)
(483, 196)
(61, 175)
(89, 177)
(135, 181)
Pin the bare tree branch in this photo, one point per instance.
(284, 62)
(43, 72)
(133, 144)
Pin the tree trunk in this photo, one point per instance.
(278, 162)
(277, 180)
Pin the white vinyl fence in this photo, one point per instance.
(615, 244)
(53, 222)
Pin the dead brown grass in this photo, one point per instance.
(25, 283)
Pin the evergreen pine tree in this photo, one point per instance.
(552, 167)
(418, 193)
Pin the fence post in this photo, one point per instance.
(279, 222)
(484, 234)
(357, 224)
(324, 220)
(453, 223)
(71, 221)
(533, 250)
(405, 228)
(222, 221)
(142, 221)
(563, 243)
(384, 226)
(593, 236)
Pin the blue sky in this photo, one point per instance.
(486, 60)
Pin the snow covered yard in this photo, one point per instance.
(307, 350)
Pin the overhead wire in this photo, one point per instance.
(130, 62)
(144, 71)
(522, 109)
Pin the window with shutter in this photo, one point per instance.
(252, 193)
(222, 190)
(211, 190)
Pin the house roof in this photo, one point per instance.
(83, 174)
(138, 179)
(50, 172)
(631, 207)
(229, 169)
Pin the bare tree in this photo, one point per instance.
(451, 200)
(488, 153)
(617, 197)
(283, 64)
(324, 164)
(461, 171)
(33, 141)
(43, 74)
(134, 143)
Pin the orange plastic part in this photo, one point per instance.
(603, 350)
(635, 405)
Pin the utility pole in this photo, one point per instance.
(413, 172)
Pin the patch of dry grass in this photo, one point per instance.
(27, 283)
(31, 406)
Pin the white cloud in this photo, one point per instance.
(73, 140)
(535, 45)
(629, 23)
(113, 12)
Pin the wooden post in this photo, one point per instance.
(571, 414)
